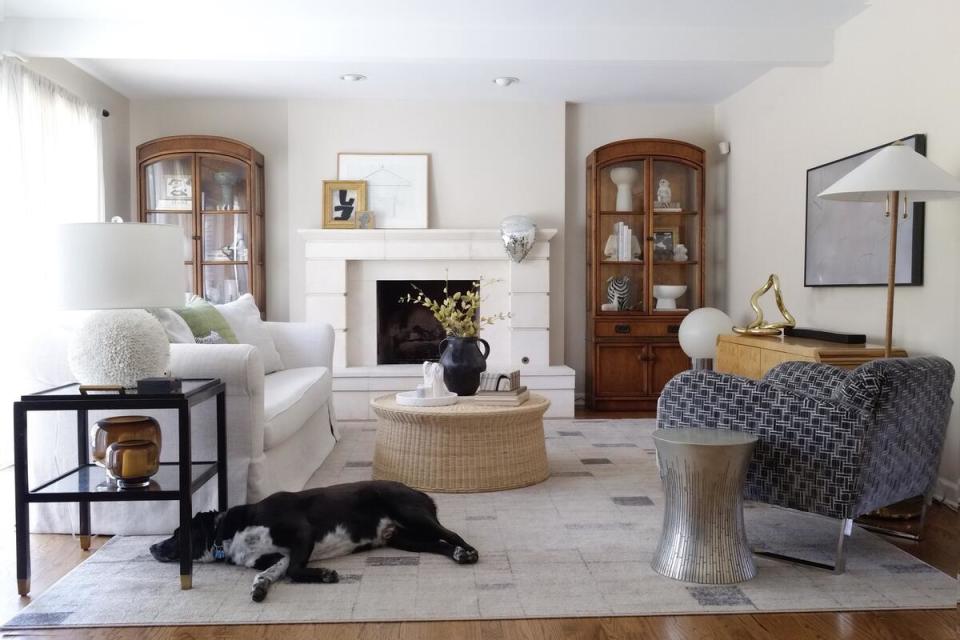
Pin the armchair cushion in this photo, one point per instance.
(290, 398)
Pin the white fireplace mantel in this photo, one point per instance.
(344, 265)
(416, 244)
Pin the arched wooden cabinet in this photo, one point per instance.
(212, 188)
(645, 198)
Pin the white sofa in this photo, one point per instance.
(279, 427)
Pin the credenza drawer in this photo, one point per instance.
(623, 329)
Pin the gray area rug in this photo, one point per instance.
(578, 544)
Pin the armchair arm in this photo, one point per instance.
(810, 449)
(808, 378)
(303, 344)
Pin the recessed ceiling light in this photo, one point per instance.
(353, 77)
(505, 81)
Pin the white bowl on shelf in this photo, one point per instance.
(411, 399)
(667, 294)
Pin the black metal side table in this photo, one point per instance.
(87, 482)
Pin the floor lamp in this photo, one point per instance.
(895, 174)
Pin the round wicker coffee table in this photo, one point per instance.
(461, 448)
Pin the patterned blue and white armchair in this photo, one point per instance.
(832, 442)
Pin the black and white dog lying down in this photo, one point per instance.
(278, 535)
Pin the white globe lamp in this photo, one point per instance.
(698, 335)
(119, 270)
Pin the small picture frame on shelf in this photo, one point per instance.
(366, 220)
(343, 200)
(665, 240)
(175, 192)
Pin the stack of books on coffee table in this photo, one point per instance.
(498, 388)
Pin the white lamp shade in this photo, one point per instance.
(699, 330)
(896, 167)
(107, 265)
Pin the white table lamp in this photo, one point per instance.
(119, 270)
(698, 335)
(895, 174)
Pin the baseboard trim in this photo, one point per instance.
(948, 492)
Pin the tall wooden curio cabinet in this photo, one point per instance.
(645, 267)
(212, 188)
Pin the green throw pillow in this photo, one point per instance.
(207, 324)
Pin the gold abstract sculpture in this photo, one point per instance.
(760, 328)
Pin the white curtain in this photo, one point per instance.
(50, 172)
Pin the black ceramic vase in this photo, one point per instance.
(463, 363)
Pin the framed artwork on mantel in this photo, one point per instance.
(396, 186)
(846, 242)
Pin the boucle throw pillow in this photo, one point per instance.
(243, 316)
(204, 320)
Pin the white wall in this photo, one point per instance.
(591, 126)
(895, 72)
(260, 123)
(115, 128)
(487, 161)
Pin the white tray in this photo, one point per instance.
(410, 399)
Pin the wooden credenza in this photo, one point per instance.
(753, 356)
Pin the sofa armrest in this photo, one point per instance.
(303, 344)
(238, 365)
(809, 378)
(810, 449)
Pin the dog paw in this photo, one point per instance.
(259, 591)
(329, 576)
(465, 556)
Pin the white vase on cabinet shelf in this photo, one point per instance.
(624, 178)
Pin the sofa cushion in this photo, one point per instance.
(290, 397)
(243, 316)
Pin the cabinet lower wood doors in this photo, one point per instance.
(645, 267)
(629, 376)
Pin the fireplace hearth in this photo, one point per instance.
(408, 333)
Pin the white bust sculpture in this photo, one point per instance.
(664, 194)
(433, 386)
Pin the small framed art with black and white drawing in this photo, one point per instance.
(343, 200)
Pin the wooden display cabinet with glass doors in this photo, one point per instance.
(644, 198)
(212, 188)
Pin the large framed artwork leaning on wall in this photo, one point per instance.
(846, 241)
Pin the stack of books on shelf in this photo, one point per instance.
(501, 389)
(624, 235)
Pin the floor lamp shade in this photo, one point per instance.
(119, 270)
(896, 173)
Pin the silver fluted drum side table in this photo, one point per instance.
(703, 538)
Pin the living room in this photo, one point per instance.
(532, 141)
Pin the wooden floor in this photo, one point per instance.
(55, 555)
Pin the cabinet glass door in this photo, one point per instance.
(619, 239)
(225, 228)
(675, 229)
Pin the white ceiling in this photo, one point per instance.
(573, 50)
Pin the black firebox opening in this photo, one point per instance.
(408, 333)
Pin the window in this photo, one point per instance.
(50, 172)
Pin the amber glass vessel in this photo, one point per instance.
(132, 462)
(121, 429)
